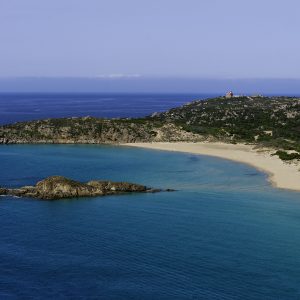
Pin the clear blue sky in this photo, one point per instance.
(157, 38)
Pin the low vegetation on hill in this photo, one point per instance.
(266, 121)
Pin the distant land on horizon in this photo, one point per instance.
(140, 84)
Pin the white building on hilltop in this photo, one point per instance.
(229, 94)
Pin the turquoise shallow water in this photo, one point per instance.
(225, 234)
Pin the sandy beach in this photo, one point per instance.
(281, 174)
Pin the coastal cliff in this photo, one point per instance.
(58, 187)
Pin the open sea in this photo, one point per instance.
(226, 233)
(25, 107)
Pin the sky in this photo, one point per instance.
(134, 39)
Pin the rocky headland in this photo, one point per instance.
(265, 122)
(58, 187)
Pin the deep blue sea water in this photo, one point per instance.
(225, 234)
(24, 107)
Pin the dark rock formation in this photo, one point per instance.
(58, 187)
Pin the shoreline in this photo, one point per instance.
(280, 174)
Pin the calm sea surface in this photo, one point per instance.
(24, 107)
(225, 234)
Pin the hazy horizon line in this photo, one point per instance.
(121, 84)
(139, 76)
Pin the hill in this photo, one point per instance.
(264, 121)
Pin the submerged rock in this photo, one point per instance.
(59, 187)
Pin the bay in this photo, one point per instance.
(224, 234)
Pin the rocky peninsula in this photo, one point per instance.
(58, 187)
(263, 121)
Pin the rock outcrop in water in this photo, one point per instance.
(58, 187)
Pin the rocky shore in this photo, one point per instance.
(58, 187)
(90, 130)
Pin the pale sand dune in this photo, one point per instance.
(281, 174)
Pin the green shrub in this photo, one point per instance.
(287, 156)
